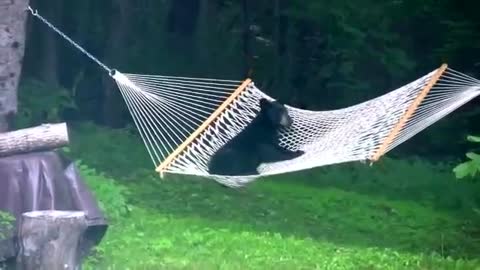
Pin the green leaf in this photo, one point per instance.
(462, 170)
(475, 139)
(473, 156)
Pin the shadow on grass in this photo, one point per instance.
(119, 153)
(409, 206)
(416, 180)
(329, 213)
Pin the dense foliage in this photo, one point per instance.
(471, 167)
(316, 54)
(6, 221)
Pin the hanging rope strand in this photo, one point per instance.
(35, 14)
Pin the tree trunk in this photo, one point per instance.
(288, 57)
(39, 138)
(276, 70)
(280, 81)
(49, 68)
(49, 240)
(204, 33)
(247, 46)
(113, 102)
(296, 98)
(12, 47)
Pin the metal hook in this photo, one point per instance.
(33, 11)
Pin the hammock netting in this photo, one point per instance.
(184, 121)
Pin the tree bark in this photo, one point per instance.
(49, 240)
(281, 76)
(44, 137)
(247, 46)
(12, 47)
(113, 102)
(49, 70)
(204, 32)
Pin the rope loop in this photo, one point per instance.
(112, 72)
(32, 11)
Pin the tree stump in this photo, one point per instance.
(43, 137)
(49, 240)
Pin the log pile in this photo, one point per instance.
(47, 239)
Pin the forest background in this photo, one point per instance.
(408, 212)
(313, 54)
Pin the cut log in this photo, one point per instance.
(49, 240)
(40, 138)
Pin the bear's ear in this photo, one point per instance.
(264, 104)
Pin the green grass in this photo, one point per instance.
(395, 215)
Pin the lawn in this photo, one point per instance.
(397, 214)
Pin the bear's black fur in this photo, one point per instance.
(258, 143)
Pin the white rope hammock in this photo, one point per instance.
(184, 121)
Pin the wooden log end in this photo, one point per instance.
(39, 138)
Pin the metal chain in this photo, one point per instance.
(35, 13)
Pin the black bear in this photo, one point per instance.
(257, 143)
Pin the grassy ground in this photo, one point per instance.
(395, 215)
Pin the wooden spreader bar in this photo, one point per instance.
(410, 111)
(164, 165)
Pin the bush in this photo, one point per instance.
(110, 195)
(40, 102)
(470, 168)
(118, 153)
(6, 224)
